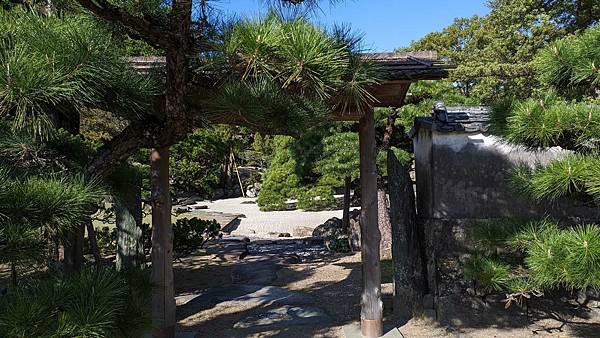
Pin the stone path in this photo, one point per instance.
(252, 302)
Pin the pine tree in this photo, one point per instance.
(554, 256)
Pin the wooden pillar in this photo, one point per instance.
(163, 292)
(371, 305)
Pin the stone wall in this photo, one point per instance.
(465, 176)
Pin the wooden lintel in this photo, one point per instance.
(388, 94)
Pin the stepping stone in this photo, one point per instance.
(245, 295)
(274, 295)
(182, 300)
(285, 316)
(228, 250)
(242, 239)
(255, 272)
(302, 231)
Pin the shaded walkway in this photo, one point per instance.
(271, 292)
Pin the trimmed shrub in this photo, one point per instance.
(317, 198)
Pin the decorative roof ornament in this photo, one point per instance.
(466, 119)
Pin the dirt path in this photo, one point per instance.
(290, 288)
(282, 288)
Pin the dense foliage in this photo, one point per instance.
(40, 202)
(85, 70)
(496, 54)
(94, 303)
(190, 234)
(526, 258)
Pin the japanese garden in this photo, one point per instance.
(264, 168)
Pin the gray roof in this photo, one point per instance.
(399, 66)
(455, 119)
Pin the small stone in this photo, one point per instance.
(581, 297)
(284, 234)
(302, 231)
(181, 209)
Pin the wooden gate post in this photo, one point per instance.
(163, 292)
(371, 315)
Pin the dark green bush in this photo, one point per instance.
(196, 162)
(107, 240)
(270, 200)
(281, 180)
(317, 198)
(191, 233)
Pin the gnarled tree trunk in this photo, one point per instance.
(73, 260)
(93, 242)
(130, 249)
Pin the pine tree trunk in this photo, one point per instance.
(130, 250)
(93, 243)
(163, 293)
(73, 260)
(409, 282)
(346, 206)
(13, 274)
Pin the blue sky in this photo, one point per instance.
(386, 24)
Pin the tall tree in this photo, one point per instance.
(292, 80)
(494, 53)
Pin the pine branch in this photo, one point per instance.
(147, 28)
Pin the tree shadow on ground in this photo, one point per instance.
(339, 298)
(333, 283)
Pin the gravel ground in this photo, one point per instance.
(261, 223)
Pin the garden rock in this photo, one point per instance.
(285, 316)
(331, 229)
(302, 231)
